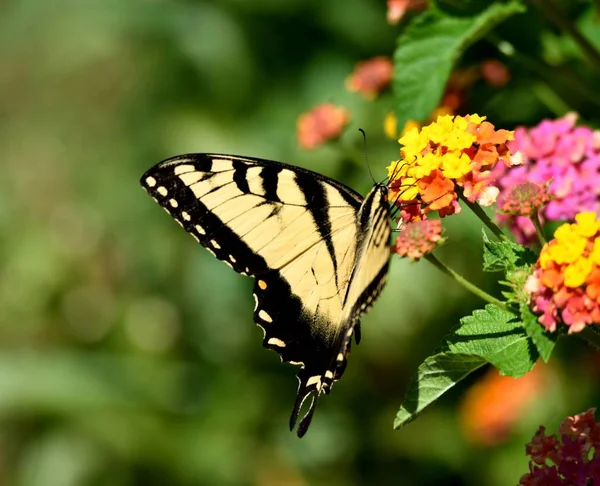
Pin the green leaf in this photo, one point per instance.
(497, 336)
(505, 255)
(544, 341)
(427, 51)
(491, 335)
(436, 375)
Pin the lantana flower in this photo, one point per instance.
(418, 237)
(371, 77)
(323, 123)
(570, 458)
(526, 199)
(561, 154)
(453, 152)
(565, 284)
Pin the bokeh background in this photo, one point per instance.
(128, 356)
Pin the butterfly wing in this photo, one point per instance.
(297, 232)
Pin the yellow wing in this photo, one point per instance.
(318, 251)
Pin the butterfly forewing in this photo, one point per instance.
(313, 245)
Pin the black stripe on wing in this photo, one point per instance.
(179, 200)
(183, 205)
(289, 329)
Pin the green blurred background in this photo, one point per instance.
(128, 356)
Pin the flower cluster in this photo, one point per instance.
(371, 77)
(449, 153)
(323, 123)
(561, 154)
(418, 237)
(565, 284)
(526, 199)
(571, 459)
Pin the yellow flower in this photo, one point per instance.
(569, 245)
(576, 273)
(475, 118)
(587, 225)
(455, 165)
(409, 189)
(458, 139)
(409, 125)
(595, 254)
(439, 130)
(414, 142)
(426, 164)
(390, 125)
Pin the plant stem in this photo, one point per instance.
(560, 19)
(482, 215)
(590, 336)
(463, 281)
(539, 231)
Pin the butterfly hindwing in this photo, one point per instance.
(317, 250)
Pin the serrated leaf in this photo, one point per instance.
(497, 336)
(543, 340)
(491, 335)
(427, 51)
(436, 375)
(505, 255)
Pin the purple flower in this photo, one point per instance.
(561, 154)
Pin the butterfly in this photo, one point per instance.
(318, 251)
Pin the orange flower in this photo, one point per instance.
(323, 123)
(493, 406)
(436, 191)
(453, 151)
(370, 78)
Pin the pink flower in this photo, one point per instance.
(559, 154)
(418, 237)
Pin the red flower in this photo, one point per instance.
(323, 123)
(572, 458)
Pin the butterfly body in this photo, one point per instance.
(318, 251)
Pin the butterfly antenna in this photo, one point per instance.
(366, 153)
